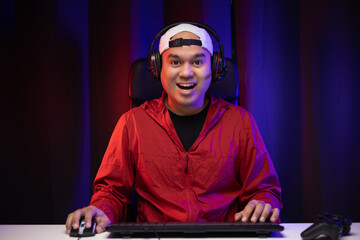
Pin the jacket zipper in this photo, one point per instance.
(187, 195)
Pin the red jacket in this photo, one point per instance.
(227, 166)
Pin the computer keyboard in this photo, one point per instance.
(194, 229)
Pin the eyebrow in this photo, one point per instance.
(198, 55)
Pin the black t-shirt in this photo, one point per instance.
(188, 128)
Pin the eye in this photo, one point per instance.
(175, 62)
(198, 62)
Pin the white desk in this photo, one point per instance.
(57, 232)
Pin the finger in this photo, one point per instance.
(101, 219)
(76, 218)
(238, 216)
(248, 210)
(103, 222)
(68, 223)
(257, 211)
(72, 221)
(275, 214)
(89, 213)
(265, 212)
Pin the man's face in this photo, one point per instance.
(186, 76)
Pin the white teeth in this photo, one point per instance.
(186, 85)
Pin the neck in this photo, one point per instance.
(186, 111)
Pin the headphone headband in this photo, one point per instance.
(218, 60)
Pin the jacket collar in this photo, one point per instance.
(158, 111)
(157, 106)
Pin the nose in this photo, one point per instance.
(186, 71)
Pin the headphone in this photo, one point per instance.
(218, 67)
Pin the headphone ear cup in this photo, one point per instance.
(154, 65)
(218, 68)
(214, 66)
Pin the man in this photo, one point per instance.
(189, 155)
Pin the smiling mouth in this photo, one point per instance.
(186, 86)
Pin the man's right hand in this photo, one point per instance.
(89, 213)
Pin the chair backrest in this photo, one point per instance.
(143, 87)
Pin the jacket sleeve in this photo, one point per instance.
(114, 181)
(257, 173)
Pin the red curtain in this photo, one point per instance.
(65, 84)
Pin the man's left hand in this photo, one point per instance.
(256, 211)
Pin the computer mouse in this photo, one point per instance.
(82, 231)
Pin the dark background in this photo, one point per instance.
(64, 84)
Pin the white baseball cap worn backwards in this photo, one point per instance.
(205, 39)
